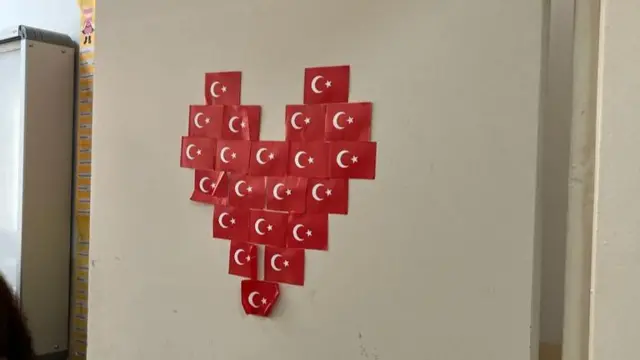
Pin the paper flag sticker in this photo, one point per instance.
(348, 122)
(241, 122)
(198, 153)
(287, 194)
(308, 231)
(305, 122)
(329, 196)
(309, 159)
(205, 120)
(284, 265)
(230, 223)
(326, 84)
(353, 160)
(267, 227)
(233, 156)
(246, 191)
(259, 297)
(269, 158)
(210, 187)
(243, 259)
(223, 88)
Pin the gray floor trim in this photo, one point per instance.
(62, 355)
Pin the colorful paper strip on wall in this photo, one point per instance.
(80, 283)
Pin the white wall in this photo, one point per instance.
(57, 15)
(615, 313)
(436, 258)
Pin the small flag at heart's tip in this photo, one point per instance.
(259, 297)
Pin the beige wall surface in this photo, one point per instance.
(615, 314)
(435, 259)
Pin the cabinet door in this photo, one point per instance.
(11, 154)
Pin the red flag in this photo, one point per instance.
(198, 153)
(246, 191)
(205, 120)
(210, 187)
(305, 122)
(233, 156)
(259, 297)
(309, 159)
(354, 160)
(287, 194)
(329, 196)
(243, 259)
(267, 227)
(348, 121)
(326, 84)
(241, 122)
(269, 158)
(222, 88)
(230, 223)
(308, 231)
(284, 265)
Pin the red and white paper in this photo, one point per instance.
(198, 153)
(269, 158)
(222, 88)
(287, 194)
(309, 159)
(267, 227)
(246, 191)
(230, 223)
(210, 187)
(259, 297)
(284, 265)
(330, 196)
(205, 120)
(348, 121)
(233, 156)
(308, 231)
(305, 122)
(243, 259)
(353, 160)
(328, 84)
(241, 122)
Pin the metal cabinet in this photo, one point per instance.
(37, 80)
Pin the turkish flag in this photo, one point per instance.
(205, 120)
(267, 227)
(308, 231)
(233, 156)
(354, 160)
(259, 297)
(284, 265)
(230, 223)
(348, 121)
(330, 196)
(326, 84)
(246, 191)
(210, 187)
(305, 122)
(222, 88)
(198, 153)
(241, 122)
(309, 159)
(269, 158)
(243, 259)
(287, 194)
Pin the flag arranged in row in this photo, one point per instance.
(277, 194)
